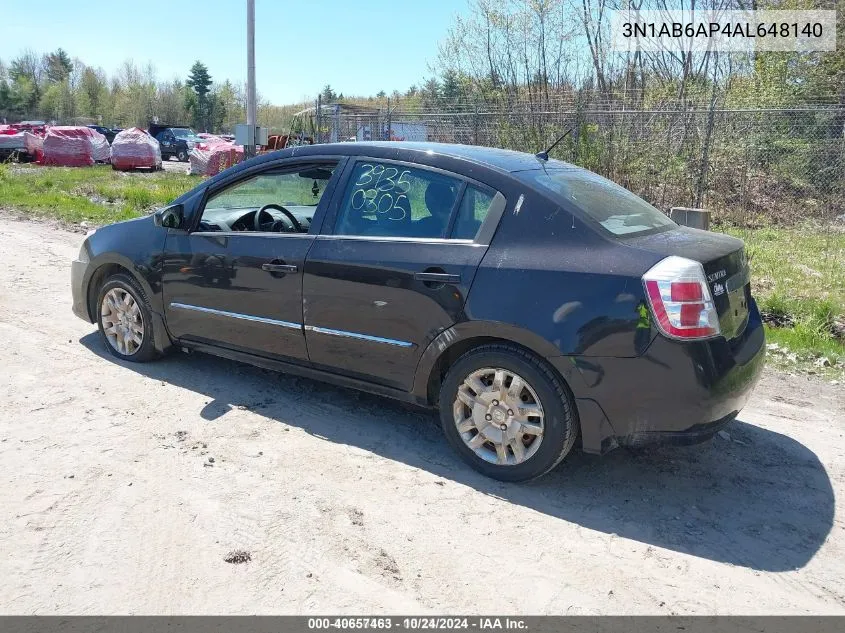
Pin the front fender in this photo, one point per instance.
(136, 246)
(139, 272)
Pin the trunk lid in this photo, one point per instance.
(725, 266)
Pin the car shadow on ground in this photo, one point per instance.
(759, 500)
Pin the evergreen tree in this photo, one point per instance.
(328, 95)
(57, 66)
(451, 88)
(430, 92)
(199, 81)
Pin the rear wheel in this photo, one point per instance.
(125, 320)
(506, 413)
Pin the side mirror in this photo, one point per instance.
(170, 217)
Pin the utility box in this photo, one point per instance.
(243, 137)
(693, 218)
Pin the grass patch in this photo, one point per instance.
(803, 350)
(798, 277)
(96, 195)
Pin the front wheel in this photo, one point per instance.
(507, 413)
(182, 156)
(125, 320)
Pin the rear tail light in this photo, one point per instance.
(680, 299)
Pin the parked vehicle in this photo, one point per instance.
(175, 141)
(108, 132)
(530, 301)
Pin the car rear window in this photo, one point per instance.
(615, 208)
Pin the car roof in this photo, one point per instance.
(502, 159)
(491, 158)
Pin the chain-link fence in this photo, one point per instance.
(772, 174)
(749, 166)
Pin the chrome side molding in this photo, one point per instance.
(288, 324)
(363, 337)
(236, 315)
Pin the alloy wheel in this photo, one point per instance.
(499, 416)
(122, 322)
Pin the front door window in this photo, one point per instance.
(270, 202)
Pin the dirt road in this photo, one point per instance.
(345, 502)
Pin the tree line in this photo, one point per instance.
(56, 88)
(532, 52)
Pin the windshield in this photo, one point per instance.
(183, 132)
(615, 208)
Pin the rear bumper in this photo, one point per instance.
(78, 290)
(695, 435)
(676, 392)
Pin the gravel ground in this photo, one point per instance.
(175, 166)
(199, 485)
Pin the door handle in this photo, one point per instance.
(439, 278)
(273, 267)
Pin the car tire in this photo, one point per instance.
(555, 427)
(182, 156)
(120, 327)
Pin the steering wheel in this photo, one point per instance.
(263, 211)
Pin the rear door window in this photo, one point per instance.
(388, 200)
(616, 209)
(475, 206)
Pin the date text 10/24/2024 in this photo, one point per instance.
(418, 623)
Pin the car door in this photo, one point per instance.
(237, 283)
(165, 140)
(393, 267)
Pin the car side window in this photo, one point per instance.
(388, 200)
(475, 206)
(269, 202)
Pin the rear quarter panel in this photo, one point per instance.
(548, 273)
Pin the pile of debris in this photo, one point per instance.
(22, 141)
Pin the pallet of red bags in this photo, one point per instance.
(74, 146)
(134, 148)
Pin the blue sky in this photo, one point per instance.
(301, 45)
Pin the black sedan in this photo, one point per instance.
(535, 304)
